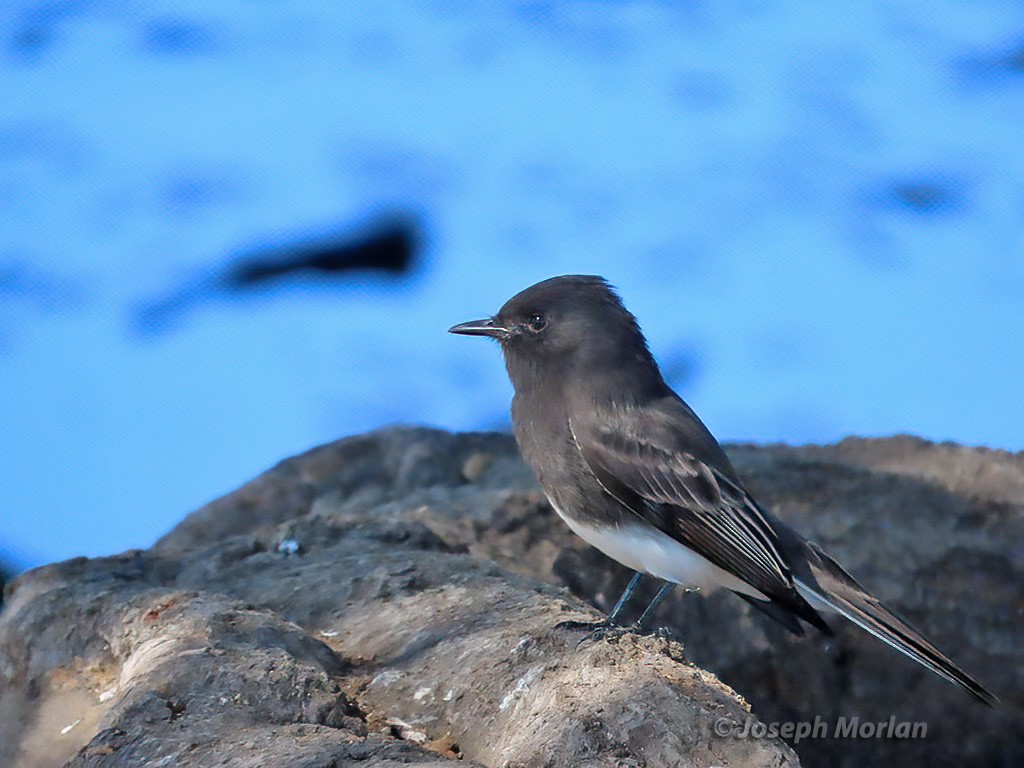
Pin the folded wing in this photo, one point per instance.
(645, 458)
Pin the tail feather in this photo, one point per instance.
(782, 614)
(836, 589)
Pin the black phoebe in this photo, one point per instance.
(633, 471)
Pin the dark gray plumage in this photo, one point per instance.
(632, 470)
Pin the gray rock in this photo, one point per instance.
(936, 530)
(374, 601)
(392, 598)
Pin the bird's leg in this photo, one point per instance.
(665, 589)
(624, 597)
(609, 620)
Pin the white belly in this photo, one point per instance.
(648, 550)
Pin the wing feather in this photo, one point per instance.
(642, 461)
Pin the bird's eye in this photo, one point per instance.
(537, 322)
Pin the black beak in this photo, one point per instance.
(481, 328)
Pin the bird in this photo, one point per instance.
(633, 471)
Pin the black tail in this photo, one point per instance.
(784, 615)
(838, 590)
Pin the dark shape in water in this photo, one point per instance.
(178, 37)
(993, 69)
(387, 247)
(925, 197)
(928, 195)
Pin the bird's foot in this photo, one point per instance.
(592, 626)
(664, 633)
(595, 631)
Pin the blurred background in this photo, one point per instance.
(231, 231)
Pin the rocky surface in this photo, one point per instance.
(393, 598)
(4, 578)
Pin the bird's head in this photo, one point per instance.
(563, 323)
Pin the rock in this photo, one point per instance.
(343, 608)
(394, 598)
(5, 576)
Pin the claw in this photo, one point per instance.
(585, 625)
(595, 630)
